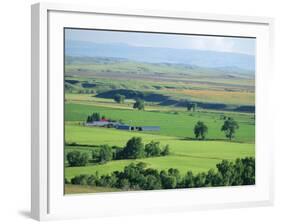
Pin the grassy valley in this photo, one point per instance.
(166, 89)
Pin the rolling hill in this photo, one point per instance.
(207, 59)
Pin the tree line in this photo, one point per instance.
(134, 149)
(138, 177)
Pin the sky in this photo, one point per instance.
(210, 43)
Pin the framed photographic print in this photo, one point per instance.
(148, 111)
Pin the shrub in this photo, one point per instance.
(165, 151)
(124, 184)
(92, 180)
(152, 183)
(168, 182)
(199, 180)
(189, 180)
(75, 158)
(152, 149)
(80, 180)
(134, 149)
(175, 173)
(105, 153)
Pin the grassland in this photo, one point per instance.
(197, 156)
(178, 124)
(186, 154)
(89, 88)
(177, 82)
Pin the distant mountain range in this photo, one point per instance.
(208, 59)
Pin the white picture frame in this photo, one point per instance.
(47, 198)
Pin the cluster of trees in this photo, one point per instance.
(103, 154)
(94, 117)
(138, 177)
(97, 117)
(191, 106)
(118, 98)
(139, 103)
(76, 158)
(134, 149)
(229, 127)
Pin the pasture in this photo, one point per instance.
(90, 86)
(179, 124)
(198, 156)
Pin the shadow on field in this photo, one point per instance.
(210, 140)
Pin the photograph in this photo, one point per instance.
(157, 111)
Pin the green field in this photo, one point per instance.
(180, 124)
(186, 154)
(91, 84)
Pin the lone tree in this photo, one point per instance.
(229, 127)
(200, 130)
(191, 106)
(139, 104)
(118, 98)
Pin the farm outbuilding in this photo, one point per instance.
(138, 128)
(126, 127)
(149, 128)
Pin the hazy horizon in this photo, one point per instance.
(159, 40)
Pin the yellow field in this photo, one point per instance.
(246, 98)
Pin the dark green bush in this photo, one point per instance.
(76, 158)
